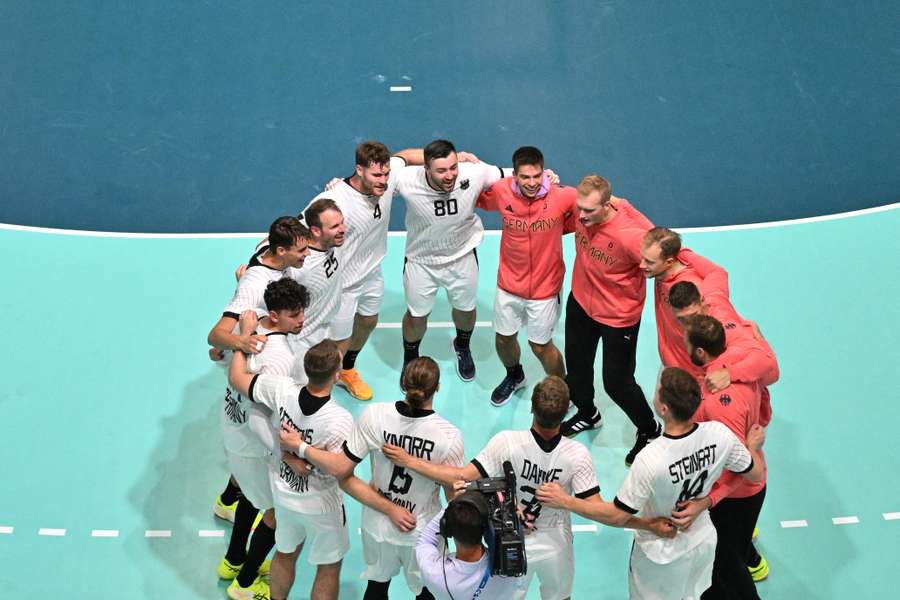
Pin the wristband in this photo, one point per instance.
(301, 449)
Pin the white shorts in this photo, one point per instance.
(329, 539)
(686, 577)
(363, 299)
(540, 317)
(384, 561)
(551, 556)
(252, 474)
(459, 278)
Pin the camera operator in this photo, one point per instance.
(465, 574)
(540, 455)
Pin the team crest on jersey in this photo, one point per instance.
(725, 399)
(730, 325)
(509, 208)
(464, 184)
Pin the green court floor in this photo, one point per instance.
(110, 424)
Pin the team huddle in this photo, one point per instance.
(308, 300)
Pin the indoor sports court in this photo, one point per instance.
(145, 147)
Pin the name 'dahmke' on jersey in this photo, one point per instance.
(687, 466)
(298, 483)
(416, 446)
(233, 409)
(534, 473)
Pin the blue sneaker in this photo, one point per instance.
(465, 364)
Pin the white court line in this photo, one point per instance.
(435, 325)
(51, 532)
(845, 520)
(158, 533)
(586, 527)
(105, 533)
(793, 524)
(6, 529)
(494, 232)
(401, 88)
(891, 516)
(211, 533)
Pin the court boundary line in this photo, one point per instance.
(489, 232)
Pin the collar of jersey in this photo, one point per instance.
(408, 411)
(255, 262)
(683, 435)
(310, 404)
(546, 445)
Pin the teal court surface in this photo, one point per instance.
(112, 456)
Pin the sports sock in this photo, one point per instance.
(377, 590)
(425, 595)
(350, 359)
(261, 542)
(231, 494)
(243, 522)
(515, 372)
(410, 350)
(462, 339)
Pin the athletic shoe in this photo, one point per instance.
(503, 392)
(642, 439)
(465, 365)
(760, 571)
(224, 511)
(353, 383)
(755, 534)
(229, 571)
(258, 590)
(578, 423)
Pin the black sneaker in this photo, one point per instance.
(642, 440)
(503, 392)
(465, 365)
(578, 423)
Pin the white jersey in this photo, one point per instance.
(537, 461)
(672, 469)
(367, 219)
(321, 423)
(251, 287)
(423, 434)
(276, 358)
(322, 276)
(442, 226)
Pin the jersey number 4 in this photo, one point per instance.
(377, 213)
(400, 481)
(692, 488)
(445, 207)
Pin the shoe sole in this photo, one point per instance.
(453, 349)
(596, 425)
(349, 391)
(221, 513)
(508, 398)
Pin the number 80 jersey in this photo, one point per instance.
(422, 433)
(672, 469)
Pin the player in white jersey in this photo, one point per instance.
(680, 465)
(365, 200)
(538, 456)
(248, 458)
(415, 426)
(321, 274)
(308, 503)
(286, 248)
(442, 233)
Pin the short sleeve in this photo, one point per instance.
(584, 478)
(362, 438)
(456, 454)
(738, 459)
(636, 489)
(247, 296)
(490, 174)
(490, 460)
(339, 430)
(487, 200)
(272, 390)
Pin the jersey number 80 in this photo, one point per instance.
(445, 207)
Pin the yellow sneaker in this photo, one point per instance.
(258, 590)
(227, 570)
(264, 569)
(760, 571)
(353, 383)
(224, 511)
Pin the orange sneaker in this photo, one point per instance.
(353, 383)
